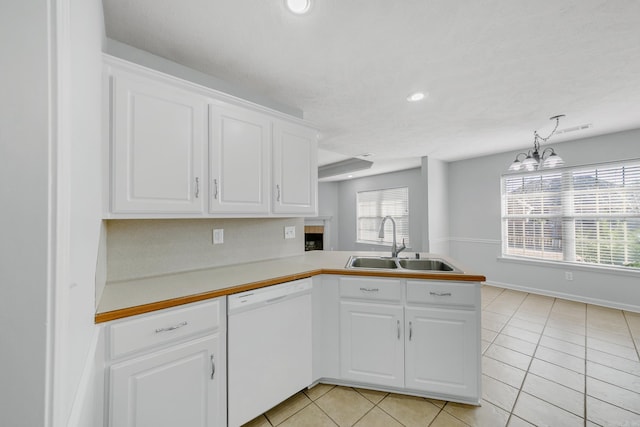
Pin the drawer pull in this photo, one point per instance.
(440, 294)
(197, 187)
(369, 289)
(172, 328)
(410, 330)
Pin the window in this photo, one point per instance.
(374, 205)
(588, 214)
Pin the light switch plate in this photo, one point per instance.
(218, 236)
(290, 232)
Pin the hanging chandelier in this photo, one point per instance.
(535, 160)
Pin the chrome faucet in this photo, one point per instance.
(395, 250)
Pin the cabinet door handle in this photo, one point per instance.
(197, 187)
(277, 192)
(398, 329)
(410, 330)
(213, 367)
(440, 294)
(369, 289)
(215, 189)
(172, 328)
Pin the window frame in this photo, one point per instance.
(566, 214)
(402, 221)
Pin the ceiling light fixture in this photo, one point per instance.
(415, 97)
(533, 159)
(299, 7)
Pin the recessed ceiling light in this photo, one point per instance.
(299, 7)
(417, 96)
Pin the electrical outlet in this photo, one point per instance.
(290, 232)
(218, 236)
(568, 275)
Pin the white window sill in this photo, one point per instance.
(591, 268)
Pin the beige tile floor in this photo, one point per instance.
(546, 362)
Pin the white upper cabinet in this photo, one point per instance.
(180, 150)
(295, 169)
(239, 160)
(158, 138)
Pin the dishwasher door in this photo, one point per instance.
(269, 348)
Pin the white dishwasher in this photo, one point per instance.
(269, 348)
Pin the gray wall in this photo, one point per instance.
(347, 190)
(436, 219)
(328, 207)
(475, 227)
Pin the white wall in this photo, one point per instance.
(50, 173)
(475, 226)
(347, 207)
(78, 339)
(24, 226)
(147, 247)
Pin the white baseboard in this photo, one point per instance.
(571, 297)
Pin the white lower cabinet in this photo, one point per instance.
(171, 370)
(172, 387)
(417, 336)
(372, 343)
(441, 351)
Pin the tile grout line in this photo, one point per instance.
(526, 373)
(501, 329)
(633, 340)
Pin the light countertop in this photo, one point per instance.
(130, 297)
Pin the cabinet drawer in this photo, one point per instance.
(371, 289)
(441, 293)
(163, 327)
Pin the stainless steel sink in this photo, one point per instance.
(425, 264)
(386, 263)
(371, 262)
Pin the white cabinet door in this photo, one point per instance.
(180, 386)
(442, 351)
(295, 169)
(158, 137)
(239, 160)
(372, 343)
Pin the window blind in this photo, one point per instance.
(374, 205)
(587, 214)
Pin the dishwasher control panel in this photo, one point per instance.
(268, 295)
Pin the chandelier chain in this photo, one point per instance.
(537, 137)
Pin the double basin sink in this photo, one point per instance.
(406, 264)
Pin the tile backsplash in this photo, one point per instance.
(149, 247)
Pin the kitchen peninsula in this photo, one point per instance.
(405, 331)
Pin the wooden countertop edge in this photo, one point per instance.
(174, 302)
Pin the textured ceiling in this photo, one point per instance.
(495, 70)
